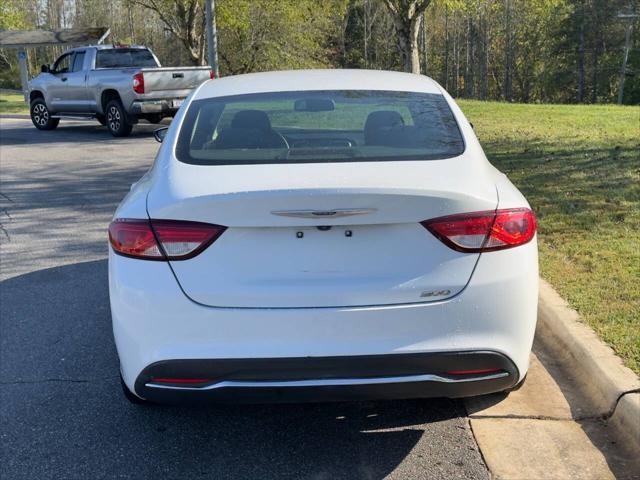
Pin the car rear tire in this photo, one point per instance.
(130, 396)
(117, 119)
(40, 115)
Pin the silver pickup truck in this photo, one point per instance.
(115, 85)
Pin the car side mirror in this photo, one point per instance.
(45, 68)
(160, 133)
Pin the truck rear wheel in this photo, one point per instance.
(117, 120)
(41, 117)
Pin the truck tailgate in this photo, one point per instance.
(173, 82)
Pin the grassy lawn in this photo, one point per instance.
(12, 102)
(579, 166)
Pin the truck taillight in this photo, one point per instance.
(161, 239)
(484, 231)
(212, 74)
(138, 83)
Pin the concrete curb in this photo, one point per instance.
(612, 388)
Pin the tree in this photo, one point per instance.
(407, 18)
(185, 20)
(277, 34)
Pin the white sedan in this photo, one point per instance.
(321, 235)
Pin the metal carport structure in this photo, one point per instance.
(21, 40)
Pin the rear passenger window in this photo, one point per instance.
(319, 126)
(78, 62)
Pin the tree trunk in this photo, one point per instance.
(594, 74)
(446, 48)
(507, 52)
(484, 64)
(469, 59)
(580, 96)
(425, 45)
(414, 50)
(407, 18)
(456, 54)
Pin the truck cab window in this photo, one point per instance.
(78, 62)
(125, 58)
(63, 64)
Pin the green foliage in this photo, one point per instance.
(12, 17)
(276, 34)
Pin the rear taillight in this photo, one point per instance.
(484, 231)
(212, 74)
(161, 239)
(138, 83)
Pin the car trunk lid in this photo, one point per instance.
(347, 235)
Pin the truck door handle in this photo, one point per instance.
(64, 79)
(178, 75)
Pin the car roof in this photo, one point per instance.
(328, 79)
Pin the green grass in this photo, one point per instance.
(12, 102)
(579, 167)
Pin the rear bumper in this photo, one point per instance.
(166, 106)
(421, 375)
(155, 324)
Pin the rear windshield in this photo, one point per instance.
(318, 126)
(125, 58)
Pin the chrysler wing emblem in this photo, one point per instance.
(336, 213)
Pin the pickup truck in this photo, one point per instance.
(115, 85)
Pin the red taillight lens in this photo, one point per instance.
(178, 240)
(484, 231)
(138, 83)
(134, 238)
(212, 74)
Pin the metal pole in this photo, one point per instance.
(212, 36)
(24, 73)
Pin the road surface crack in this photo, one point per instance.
(7, 197)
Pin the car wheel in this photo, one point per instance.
(117, 121)
(130, 396)
(41, 117)
(102, 120)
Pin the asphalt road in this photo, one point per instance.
(61, 410)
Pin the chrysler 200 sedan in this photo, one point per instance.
(321, 235)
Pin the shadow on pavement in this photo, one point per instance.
(63, 414)
(84, 131)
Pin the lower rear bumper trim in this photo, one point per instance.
(329, 382)
(392, 376)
